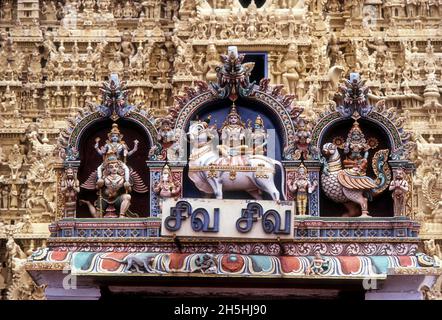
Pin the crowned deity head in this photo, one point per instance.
(166, 173)
(113, 165)
(233, 118)
(356, 140)
(259, 123)
(115, 135)
(302, 171)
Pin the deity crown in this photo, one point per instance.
(259, 121)
(355, 129)
(115, 130)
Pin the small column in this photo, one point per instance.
(313, 168)
(155, 168)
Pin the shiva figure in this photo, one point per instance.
(302, 186)
(117, 147)
(259, 137)
(233, 135)
(356, 148)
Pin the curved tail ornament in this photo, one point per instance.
(279, 164)
(381, 170)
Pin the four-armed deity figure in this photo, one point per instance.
(356, 148)
(114, 146)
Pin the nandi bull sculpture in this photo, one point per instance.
(213, 173)
(350, 185)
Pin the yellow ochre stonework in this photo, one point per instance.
(54, 56)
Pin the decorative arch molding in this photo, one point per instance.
(392, 132)
(136, 117)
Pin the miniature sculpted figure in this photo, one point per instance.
(13, 203)
(70, 187)
(302, 139)
(15, 161)
(302, 186)
(5, 197)
(399, 186)
(291, 68)
(259, 137)
(167, 187)
(319, 265)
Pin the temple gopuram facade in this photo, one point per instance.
(252, 148)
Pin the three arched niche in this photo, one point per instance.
(248, 109)
(90, 160)
(382, 204)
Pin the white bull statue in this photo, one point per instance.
(213, 174)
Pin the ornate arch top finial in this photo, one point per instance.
(233, 76)
(114, 103)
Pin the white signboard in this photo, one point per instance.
(227, 218)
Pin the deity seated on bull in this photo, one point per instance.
(233, 165)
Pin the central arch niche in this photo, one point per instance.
(248, 109)
(381, 205)
(90, 160)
